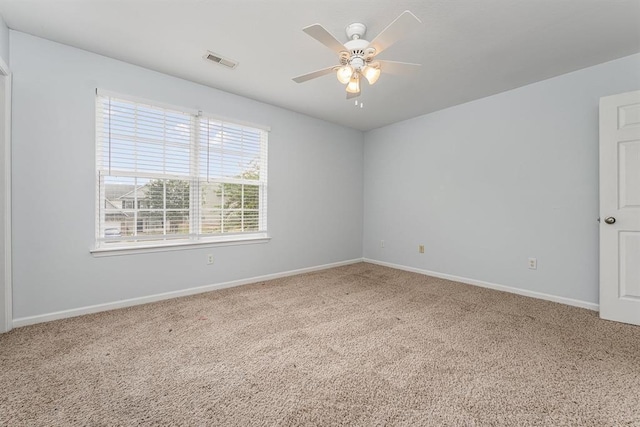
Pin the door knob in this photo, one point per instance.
(610, 220)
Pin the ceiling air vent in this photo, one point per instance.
(218, 59)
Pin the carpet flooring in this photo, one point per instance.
(360, 345)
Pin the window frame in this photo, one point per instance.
(195, 238)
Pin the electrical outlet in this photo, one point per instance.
(209, 259)
(382, 243)
(533, 264)
(421, 249)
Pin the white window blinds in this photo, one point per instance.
(170, 175)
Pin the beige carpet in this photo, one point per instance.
(356, 345)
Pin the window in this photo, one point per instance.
(166, 176)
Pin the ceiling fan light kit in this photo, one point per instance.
(357, 55)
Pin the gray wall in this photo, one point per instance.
(487, 184)
(315, 185)
(4, 41)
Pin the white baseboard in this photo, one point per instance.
(31, 320)
(504, 288)
(24, 321)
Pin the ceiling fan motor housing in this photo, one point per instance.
(359, 53)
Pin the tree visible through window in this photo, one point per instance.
(169, 175)
(241, 202)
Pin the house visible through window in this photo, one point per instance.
(165, 175)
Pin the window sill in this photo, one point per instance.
(178, 246)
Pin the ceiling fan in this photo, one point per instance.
(357, 56)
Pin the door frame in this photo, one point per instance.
(6, 324)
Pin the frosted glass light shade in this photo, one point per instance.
(354, 84)
(344, 74)
(371, 74)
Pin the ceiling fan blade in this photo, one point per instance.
(319, 73)
(398, 29)
(398, 68)
(321, 34)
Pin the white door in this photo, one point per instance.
(620, 207)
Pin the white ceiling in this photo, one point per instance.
(469, 48)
